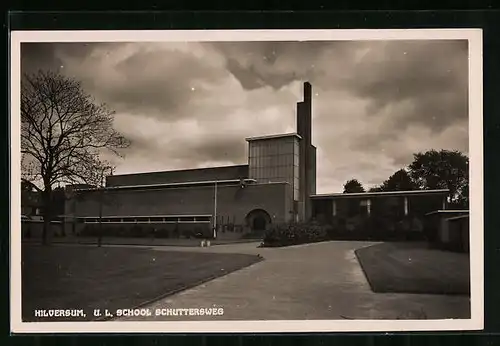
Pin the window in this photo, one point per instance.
(203, 218)
(281, 148)
(280, 160)
(273, 150)
(187, 219)
(282, 171)
(365, 207)
(283, 160)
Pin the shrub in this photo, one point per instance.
(295, 233)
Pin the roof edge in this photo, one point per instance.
(382, 193)
(167, 185)
(179, 170)
(283, 135)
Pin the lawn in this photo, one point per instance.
(138, 241)
(88, 277)
(414, 268)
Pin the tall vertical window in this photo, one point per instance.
(274, 160)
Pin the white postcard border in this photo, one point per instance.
(476, 322)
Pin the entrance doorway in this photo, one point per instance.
(259, 223)
(258, 220)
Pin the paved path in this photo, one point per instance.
(313, 281)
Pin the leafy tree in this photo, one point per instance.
(443, 169)
(63, 135)
(353, 186)
(399, 181)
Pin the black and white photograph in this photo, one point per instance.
(246, 181)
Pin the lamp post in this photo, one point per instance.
(101, 202)
(215, 210)
(102, 188)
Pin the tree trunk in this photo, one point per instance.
(99, 236)
(45, 230)
(47, 214)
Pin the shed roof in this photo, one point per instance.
(380, 194)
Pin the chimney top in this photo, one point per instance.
(307, 91)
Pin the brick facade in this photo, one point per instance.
(233, 202)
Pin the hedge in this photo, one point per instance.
(144, 231)
(367, 229)
(295, 233)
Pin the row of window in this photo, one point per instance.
(272, 175)
(270, 148)
(274, 171)
(289, 168)
(364, 207)
(153, 219)
(275, 160)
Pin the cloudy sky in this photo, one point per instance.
(187, 105)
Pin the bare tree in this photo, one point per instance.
(64, 133)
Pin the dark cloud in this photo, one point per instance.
(167, 87)
(431, 76)
(39, 56)
(51, 56)
(257, 64)
(191, 104)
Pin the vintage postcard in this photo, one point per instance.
(246, 181)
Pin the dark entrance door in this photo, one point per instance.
(259, 223)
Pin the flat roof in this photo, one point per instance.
(180, 170)
(449, 211)
(284, 135)
(188, 183)
(381, 193)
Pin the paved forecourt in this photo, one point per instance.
(311, 281)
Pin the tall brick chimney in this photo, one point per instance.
(304, 129)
